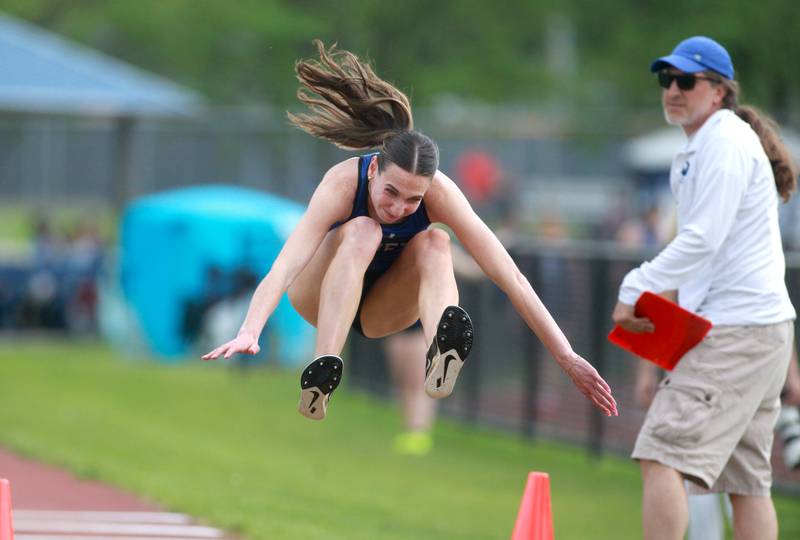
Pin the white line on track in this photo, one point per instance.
(115, 525)
(95, 537)
(68, 527)
(105, 517)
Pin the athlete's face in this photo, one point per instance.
(689, 109)
(394, 194)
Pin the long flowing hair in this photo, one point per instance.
(353, 108)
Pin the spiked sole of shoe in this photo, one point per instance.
(318, 381)
(452, 345)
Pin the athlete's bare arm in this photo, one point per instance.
(332, 201)
(447, 204)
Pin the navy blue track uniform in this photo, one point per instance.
(395, 235)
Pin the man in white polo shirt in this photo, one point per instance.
(712, 418)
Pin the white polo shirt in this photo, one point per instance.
(727, 259)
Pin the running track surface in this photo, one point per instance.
(51, 504)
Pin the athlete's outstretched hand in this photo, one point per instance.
(589, 381)
(243, 343)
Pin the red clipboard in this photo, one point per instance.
(677, 331)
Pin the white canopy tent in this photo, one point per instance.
(653, 151)
(650, 157)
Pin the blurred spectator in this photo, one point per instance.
(479, 175)
(47, 245)
(405, 353)
(225, 316)
(85, 255)
(195, 309)
(40, 306)
(220, 309)
(85, 249)
(555, 278)
(640, 231)
(57, 288)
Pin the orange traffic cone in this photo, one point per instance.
(6, 529)
(535, 518)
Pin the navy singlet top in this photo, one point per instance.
(395, 235)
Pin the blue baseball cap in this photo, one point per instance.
(697, 53)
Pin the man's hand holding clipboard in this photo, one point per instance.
(658, 330)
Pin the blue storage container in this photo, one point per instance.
(185, 249)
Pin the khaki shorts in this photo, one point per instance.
(713, 415)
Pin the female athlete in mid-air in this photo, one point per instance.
(364, 255)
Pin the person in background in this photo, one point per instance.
(403, 351)
(712, 418)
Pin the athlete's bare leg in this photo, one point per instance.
(425, 268)
(420, 284)
(327, 291)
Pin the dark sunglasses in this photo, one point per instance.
(686, 81)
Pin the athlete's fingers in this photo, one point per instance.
(213, 355)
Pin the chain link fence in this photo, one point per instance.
(512, 383)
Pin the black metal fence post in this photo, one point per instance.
(472, 298)
(600, 320)
(532, 358)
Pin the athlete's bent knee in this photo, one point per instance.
(361, 236)
(435, 241)
(432, 245)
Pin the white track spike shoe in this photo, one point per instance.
(447, 353)
(319, 380)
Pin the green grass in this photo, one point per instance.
(17, 220)
(231, 449)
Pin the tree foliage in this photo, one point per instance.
(497, 52)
